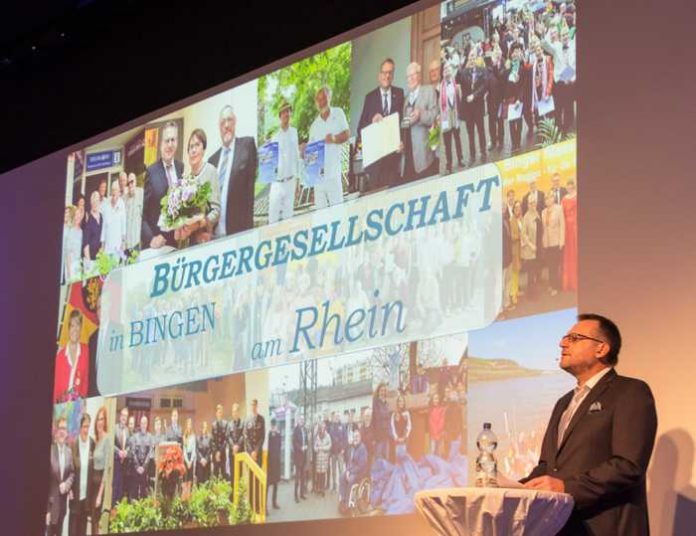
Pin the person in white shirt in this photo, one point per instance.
(134, 211)
(564, 75)
(113, 236)
(282, 195)
(331, 126)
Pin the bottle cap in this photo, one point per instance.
(486, 426)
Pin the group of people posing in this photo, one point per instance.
(540, 232)
(105, 222)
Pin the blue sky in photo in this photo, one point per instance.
(532, 341)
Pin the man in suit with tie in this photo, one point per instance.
(300, 444)
(600, 436)
(62, 477)
(382, 101)
(420, 112)
(472, 80)
(158, 177)
(82, 493)
(236, 163)
(535, 194)
(174, 432)
(558, 191)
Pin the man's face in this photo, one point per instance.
(228, 124)
(61, 432)
(321, 100)
(386, 75)
(218, 414)
(131, 423)
(102, 189)
(123, 416)
(285, 118)
(122, 180)
(175, 418)
(412, 77)
(582, 354)
(556, 183)
(169, 144)
(143, 424)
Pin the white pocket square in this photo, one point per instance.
(595, 407)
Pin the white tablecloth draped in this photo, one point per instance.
(494, 511)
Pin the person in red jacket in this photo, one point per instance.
(72, 364)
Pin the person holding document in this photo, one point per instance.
(281, 202)
(600, 436)
(564, 74)
(382, 101)
(514, 78)
(331, 127)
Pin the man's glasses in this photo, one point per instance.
(572, 338)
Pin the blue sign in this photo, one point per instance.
(268, 162)
(103, 160)
(314, 163)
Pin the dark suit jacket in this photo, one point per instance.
(472, 85)
(604, 456)
(155, 188)
(57, 502)
(239, 205)
(78, 471)
(299, 456)
(373, 105)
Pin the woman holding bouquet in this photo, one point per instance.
(201, 228)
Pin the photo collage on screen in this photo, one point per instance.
(198, 434)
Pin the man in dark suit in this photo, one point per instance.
(174, 432)
(600, 437)
(236, 163)
(300, 444)
(379, 103)
(62, 477)
(158, 177)
(533, 193)
(82, 493)
(472, 80)
(558, 191)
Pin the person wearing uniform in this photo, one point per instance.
(331, 126)
(219, 444)
(204, 447)
(140, 447)
(235, 430)
(174, 432)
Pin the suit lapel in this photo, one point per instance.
(592, 397)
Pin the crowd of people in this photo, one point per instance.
(523, 70)
(110, 224)
(540, 234)
(338, 451)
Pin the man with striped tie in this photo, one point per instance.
(235, 162)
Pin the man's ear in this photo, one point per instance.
(602, 350)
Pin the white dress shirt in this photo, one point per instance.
(221, 228)
(579, 395)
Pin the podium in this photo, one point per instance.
(494, 511)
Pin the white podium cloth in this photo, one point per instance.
(494, 511)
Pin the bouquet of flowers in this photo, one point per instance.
(186, 202)
(170, 471)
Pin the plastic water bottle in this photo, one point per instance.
(486, 466)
